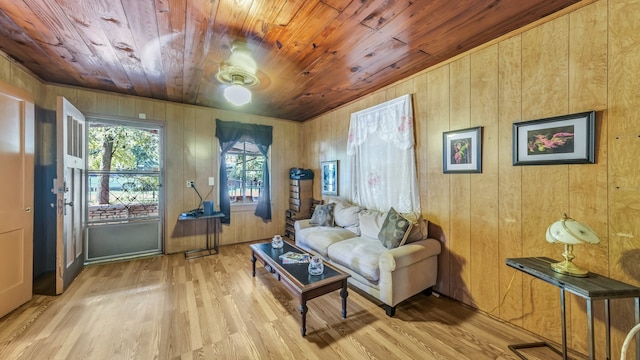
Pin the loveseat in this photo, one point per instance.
(387, 255)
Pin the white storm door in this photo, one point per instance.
(70, 192)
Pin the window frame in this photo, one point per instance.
(243, 188)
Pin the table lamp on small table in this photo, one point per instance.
(570, 232)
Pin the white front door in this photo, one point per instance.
(70, 192)
(16, 197)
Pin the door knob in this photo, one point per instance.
(70, 203)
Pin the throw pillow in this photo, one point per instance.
(346, 214)
(371, 222)
(418, 231)
(323, 215)
(395, 230)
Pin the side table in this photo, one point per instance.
(211, 228)
(593, 287)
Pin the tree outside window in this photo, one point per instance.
(123, 174)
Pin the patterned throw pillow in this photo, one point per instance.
(323, 215)
(395, 230)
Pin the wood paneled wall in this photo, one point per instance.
(191, 153)
(587, 58)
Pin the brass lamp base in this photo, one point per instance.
(567, 267)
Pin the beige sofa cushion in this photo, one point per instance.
(371, 222)
(360, 254)
(346, 214)
(319, 238)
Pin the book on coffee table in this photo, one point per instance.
(291, 257)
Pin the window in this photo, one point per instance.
(250, 143)
(381, 150)
(124, 193)
(123, 170)
(245, 165)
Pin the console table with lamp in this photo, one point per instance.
(569, 277)
(213, 220)
(213, 225)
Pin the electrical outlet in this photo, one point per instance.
(212, 181)
(189, 183)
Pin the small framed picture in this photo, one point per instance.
(329, 177)
(462, 151)
(567, 139)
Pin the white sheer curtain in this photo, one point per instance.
(381, 148)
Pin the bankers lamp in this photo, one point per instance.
(570, 232)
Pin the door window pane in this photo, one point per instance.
(123, 174)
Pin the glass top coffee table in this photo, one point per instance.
(297, 279)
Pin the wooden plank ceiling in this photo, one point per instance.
(311, 55)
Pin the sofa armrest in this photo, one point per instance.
(408, 254)
(408, 270)
(302, 224)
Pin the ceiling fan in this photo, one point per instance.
(239, 72)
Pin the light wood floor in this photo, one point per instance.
(212, 308)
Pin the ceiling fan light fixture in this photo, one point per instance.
(239, 80)
(237, 95)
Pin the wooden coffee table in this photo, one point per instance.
(297, 279)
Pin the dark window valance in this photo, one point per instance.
(235, 131)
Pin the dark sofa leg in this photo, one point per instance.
(390, 310)
(428, 291)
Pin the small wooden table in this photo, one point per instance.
(593, 287)
(297, 279)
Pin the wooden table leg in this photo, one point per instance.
(344, 294)
(253, 263)
(303, 317)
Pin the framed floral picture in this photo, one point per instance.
(329, 177)
(462, 151)
(567, 139)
